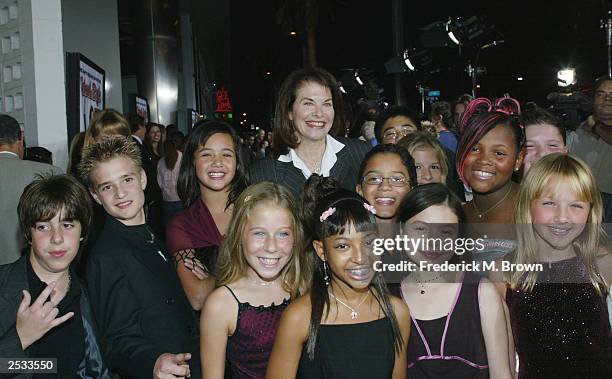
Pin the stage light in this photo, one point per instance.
(351, 79)
(520, 78)
(411, 60)
(465, 30)
(566, 77)
(292, 33)
(357, 78)
(451, 34)
(407, 61)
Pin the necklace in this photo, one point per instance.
(316, 164)
(262, 283)
(482, 213)
(316, 167)
(354, 313)
(421, 283)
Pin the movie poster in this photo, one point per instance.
(91, 93)
(142, 108)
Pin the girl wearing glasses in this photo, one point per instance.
(386, 175)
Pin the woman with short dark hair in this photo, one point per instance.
(309, 110)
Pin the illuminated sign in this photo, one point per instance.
(224, 104)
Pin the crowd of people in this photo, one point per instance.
(220, 255)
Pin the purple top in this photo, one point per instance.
(192, 228)
(249, 348)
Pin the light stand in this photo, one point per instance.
(473, 70)
(422, 91)
(607, 24)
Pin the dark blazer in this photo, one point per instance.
(14, 279)
(153, 193)
(346, 169)
(138, 301)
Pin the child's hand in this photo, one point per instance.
(196, 267)
(35, 320)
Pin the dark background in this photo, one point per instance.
(541, 37)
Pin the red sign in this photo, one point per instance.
(223, 101)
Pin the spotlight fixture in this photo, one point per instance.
(407, 61)
(411, 60)
(357, 78)
(566, 77)
(462, 31)
(351, 79)
(451, 34)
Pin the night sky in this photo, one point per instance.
(541, 37)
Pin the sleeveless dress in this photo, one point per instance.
(351, 351)
(452, 346)
(561, 328)
(249, 348)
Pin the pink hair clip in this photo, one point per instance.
(330, 211)
(370, 208)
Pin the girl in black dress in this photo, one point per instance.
(458, 317)
(347, 326)
(557, 303)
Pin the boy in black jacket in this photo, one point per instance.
(147, 325)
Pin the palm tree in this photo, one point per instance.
(302, 16)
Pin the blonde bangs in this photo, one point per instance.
(544, 179)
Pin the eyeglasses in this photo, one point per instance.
(393, 133)
(376, 180)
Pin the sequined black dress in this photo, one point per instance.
(561, 328)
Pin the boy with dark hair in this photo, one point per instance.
(147, 325)
(44, 308)
(543, 135)
(394, 123)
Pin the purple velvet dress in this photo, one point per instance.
(249, 348)
(561, 327)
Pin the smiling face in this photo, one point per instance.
(490, 163)
(55, 244)
(312, 112)
(155, 134)
(439, 222)
(215, 163)
(427, 165)
(386, 196)
(395, 128)
(349, 257)
(541, 140)
(118, 185)
(268, 240)
(559, 217)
